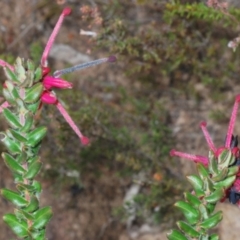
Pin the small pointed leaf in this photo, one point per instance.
(187, 229)
(212, 166)
(11, 118)
(215, 196)
(232, 170)
(225, 159)
(202, 171)
(212, 221)
(33, 170)
(14, 197)
(28, 122)
(37, 186)
(33, 94)
(10, 75)
(214, 237)
(11, 88)
(38, 74)
(208, 185)
(191, 213)
(13, 147)
(42, 217)
(204, 211)
(12, 164)
(25, 215)
(192, 199)
(197, 184)
(25, 187)
(221, 175)
(8, 96)
(176, 235)
(18, 227)
(210, 207)
(20, 70)
(225, 183)
(17, 135)
(33, 205)
(34, 106)
(36, 136)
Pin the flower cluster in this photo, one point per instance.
(231, 143)
(50, 82)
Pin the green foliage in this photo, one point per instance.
(209, 188)
(22, 141)
(176, 43)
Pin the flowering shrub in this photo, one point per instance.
(218, 178)
(26, 89)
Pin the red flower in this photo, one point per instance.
(51, 82)
(231, 143)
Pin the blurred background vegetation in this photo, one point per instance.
(165, 49)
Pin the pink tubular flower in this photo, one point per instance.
(50, 82)
(231, 143)
(209, 141)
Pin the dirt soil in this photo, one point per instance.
(87, 215)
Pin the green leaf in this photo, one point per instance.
(212, 221)
(33, 94)
(20, 70)
(17, 135)
(37, 186)
(38, 74)
(33, 205)
(176, 235)
(210, 207)
(12, 164)
(192, 199)
(221, 175)
(42, 217)
(215, 196)
(8, 96)
(225, 183)
(33, 169)
(11, 118)
(232, 171)
(12, 146)
(214, 237)
(197, 184)
(14, 197)
(18, 227)
(25, 187)
(208, 185)
(17, 177)
(11, 88)
(39, 234)
(22, 157)
(29, 118)
(190, 212)
(212, 166)
(33, 159)
(10, 75)
(34, 107)
(30, 65)
(225, 159)
(36, 136)
(187, 229)
(25, 215)
(202, 171)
